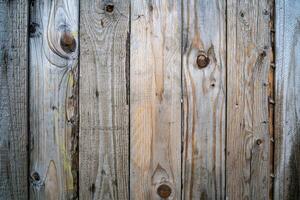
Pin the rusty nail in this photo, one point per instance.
(67, 42)
(109, 8)
(164, 191)
(202, 60)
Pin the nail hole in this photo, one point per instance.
(212, 85)
(265, 12)
(109, 8)
(263, 54)
(164, 191)
(241, 14)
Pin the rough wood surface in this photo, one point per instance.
(204, 99)
(248, 62)
(13, 99)
(104, 117)
(287, 107)
(53, 99)
(155, 93)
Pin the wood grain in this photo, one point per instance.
(13, 100)
(287, 107)
(53, 99)
(104, 117)
(248, 62)
(155, 94)
(204, 93)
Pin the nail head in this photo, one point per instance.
(164, 191)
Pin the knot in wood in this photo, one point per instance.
(109, 8)
(35, 176)
(202, 60)
(164, 191)
(68, 42)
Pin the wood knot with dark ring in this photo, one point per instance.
(202, 60)
(164, 191)
(68, 42)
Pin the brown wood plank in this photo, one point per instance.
(155, 95)
(204, 92)
(104, 117)
(53, 99)
(248, 62)
(287, 104)
(13, 100)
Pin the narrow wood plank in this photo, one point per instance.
(53, 99)
(104, 117)
(204, 34)
(155, 93)
(287, 107)
(248, 141)
(13, 99)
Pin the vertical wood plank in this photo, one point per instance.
(104, 117)
(155, 93)
(204, 90)
(13, 99)
(53, 99)
(287, 107)
(248, 141)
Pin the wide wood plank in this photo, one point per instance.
(53, 99)
(104, 117)
(249, 53)
(287, 107)
(13, 100)
(204, 99)
(155, 95)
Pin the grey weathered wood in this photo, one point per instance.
(13, 99)
(248, 61)
(104, 117)
(155, 93)
(287, 107)
(204, 99)
(53, 99)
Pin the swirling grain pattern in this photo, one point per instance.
(53, 99)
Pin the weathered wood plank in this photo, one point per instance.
(248, 62)
(13, 99)
(204, 99)
(287, 107)
(104, 117)
(155, 93)
(53, 99)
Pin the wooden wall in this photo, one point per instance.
(149, 99)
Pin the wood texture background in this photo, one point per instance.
(104, 104)
(248, 66)
(13, 99)
(103, 99)
(204, 92)
(155, 95)
(53, 100)
(287, 122)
